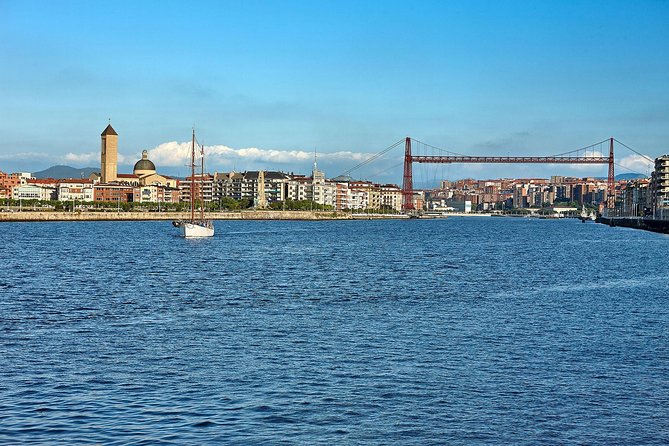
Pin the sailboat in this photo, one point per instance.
(196, 227)
(585, 215)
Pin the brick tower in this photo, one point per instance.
(108, 155)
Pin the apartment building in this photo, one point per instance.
(203, 184)
(660, 183)
(75, 190)
(244, 185)
(116, 193)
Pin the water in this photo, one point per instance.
(457, 331)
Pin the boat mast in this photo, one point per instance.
(192, 180)
(202, 183)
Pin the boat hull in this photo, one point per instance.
(198, 230)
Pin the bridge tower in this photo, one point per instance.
(611, 192)
(407, 184)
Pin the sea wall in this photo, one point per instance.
(127, 216)
(646, 224)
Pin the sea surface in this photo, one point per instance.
(461, 331)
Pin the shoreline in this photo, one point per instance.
(45, 216)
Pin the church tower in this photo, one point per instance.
(109, 155)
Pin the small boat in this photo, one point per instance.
(584, 215)
(196, 227)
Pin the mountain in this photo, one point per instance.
(629, 176)
(625, 176)
(66, 172)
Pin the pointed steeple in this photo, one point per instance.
(109, 130)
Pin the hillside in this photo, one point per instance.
(629, 176)
(65, 172)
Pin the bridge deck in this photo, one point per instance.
(510, 159)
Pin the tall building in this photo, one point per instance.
(108, 155)
(660, 183)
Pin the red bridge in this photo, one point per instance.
(579, 156)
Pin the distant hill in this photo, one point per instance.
(625, 176)
(629, 176)
(65, 172)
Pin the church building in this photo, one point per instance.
(143, 174)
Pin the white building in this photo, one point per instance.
(391, 197)
(358, 199)
(300, 188)
(25, 176)
(75, 190)
(33, 192)
(325, 193)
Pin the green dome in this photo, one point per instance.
(145, 163)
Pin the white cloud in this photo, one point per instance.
(21, 156)
(92, 158)
(81, 157)
(637, 163)
(632, 163)
(589, 167)
(176, 154)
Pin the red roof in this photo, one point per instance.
(42, 181)
(75, 180)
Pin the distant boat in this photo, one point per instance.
(585, 215)
(196, 227)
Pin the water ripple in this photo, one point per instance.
(458, 331)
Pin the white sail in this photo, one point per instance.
(193, 227)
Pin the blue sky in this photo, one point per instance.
(267, 82)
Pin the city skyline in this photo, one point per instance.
(268, 83)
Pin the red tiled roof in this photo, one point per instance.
(42, 181)
(75, 180)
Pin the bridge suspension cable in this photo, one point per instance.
(373, 157)
(638, 153)
(585, 149)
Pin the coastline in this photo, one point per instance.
(45, 216)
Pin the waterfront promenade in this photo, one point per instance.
(31, 215)
(144, 216)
